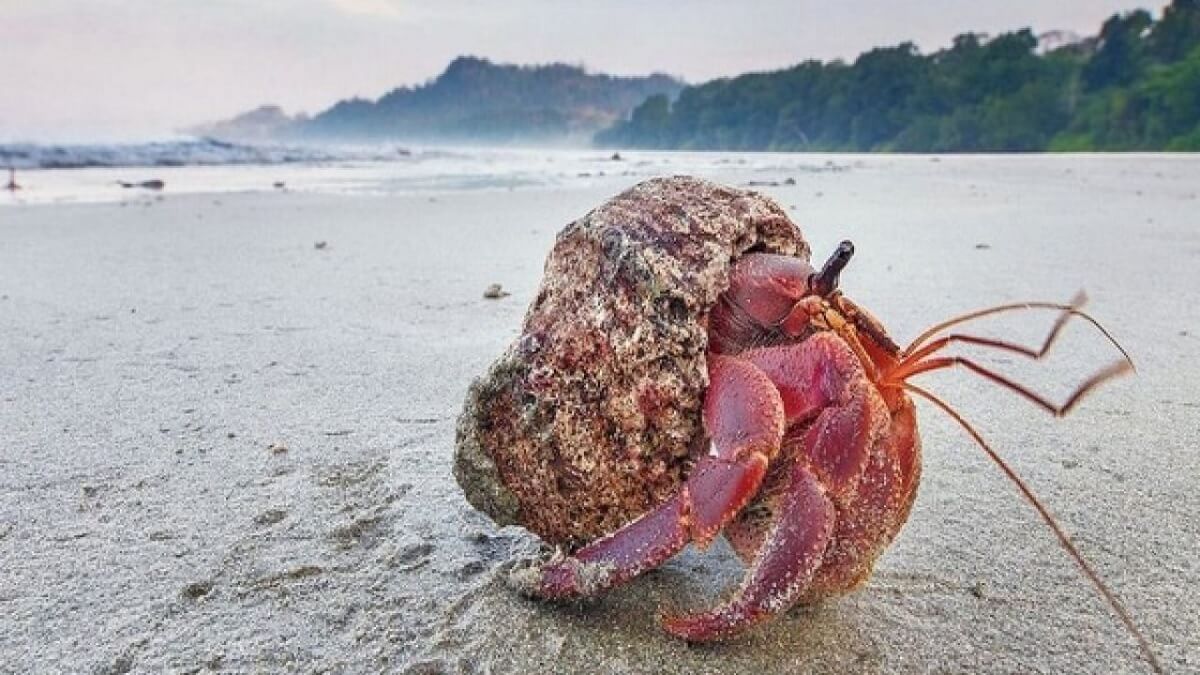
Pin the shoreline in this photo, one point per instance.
(498, 170)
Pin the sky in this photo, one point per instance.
(76, 70)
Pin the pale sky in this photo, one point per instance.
(136, 69)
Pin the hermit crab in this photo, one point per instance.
(684, 372)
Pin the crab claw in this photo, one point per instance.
(643, 544)
(744, 417)
(785, 565)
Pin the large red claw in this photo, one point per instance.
(744, 417)
(783, 569)
(742, 410)
(719, 489)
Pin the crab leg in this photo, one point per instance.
(744, 417)
(835, 449)
(783, 569)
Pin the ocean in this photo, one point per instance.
(97, 173)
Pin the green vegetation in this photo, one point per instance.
(1136, 86)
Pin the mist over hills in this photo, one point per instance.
(473, 100)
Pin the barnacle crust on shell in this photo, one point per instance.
(591, 416)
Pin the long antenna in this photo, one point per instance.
(1069, 310)
(1063, 539)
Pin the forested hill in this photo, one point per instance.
(1136, 86)
(473, 100)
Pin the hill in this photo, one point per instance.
(474, 100)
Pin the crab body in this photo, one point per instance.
(810, 469)
(684, 372)
(678, 375)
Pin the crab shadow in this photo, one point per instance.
(619, 631)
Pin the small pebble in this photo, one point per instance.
(495, 292)
(270, 517)
(197, 590)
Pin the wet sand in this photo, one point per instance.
(228, 450)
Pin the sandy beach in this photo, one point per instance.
(226, 449)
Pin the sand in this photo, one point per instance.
(228, 450)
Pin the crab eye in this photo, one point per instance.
(826, 281)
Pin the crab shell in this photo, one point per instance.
(592, 416)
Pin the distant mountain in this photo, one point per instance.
(474, 100)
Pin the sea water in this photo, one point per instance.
(98, 173)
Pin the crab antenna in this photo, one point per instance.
(1068, 310)
(1063, 539)
(1100, 377)
(826, 281)
(1059, 324)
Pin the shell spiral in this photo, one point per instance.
(592, 416)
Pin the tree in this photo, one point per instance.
(882, 84)
(1135, 86)
(1177, 33)
(1119, 59)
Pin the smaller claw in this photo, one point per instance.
(643, 544)
(562, 578)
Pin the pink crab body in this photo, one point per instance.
(809, 473)
(683, 372)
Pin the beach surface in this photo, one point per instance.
(228, 422)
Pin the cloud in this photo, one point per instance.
(384, 8)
